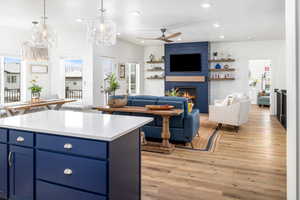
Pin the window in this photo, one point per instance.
(133, 78)
(73, 79)
(12, 77)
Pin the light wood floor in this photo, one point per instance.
(247, 165)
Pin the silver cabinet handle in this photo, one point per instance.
(68, 146)
(10, 156)
(20, 139)
(68, 172)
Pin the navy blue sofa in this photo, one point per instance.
(183, 128)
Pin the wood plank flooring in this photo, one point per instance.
(248, 165)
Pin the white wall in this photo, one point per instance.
(293, 98)
(243, 52)
(122, 52)
(72, 45)
(11, 40)
(153, 87)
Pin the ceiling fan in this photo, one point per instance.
(163, 37)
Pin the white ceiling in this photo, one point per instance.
(239, 20)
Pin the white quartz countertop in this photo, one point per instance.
(95, 126)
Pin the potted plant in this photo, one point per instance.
(173, 93)
(111, 86)
(35, 91)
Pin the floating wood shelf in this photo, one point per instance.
(222, 79)
(156, 70)
(155, 78)
(222, 60)
(155, 62)
(185, 78)
(222, 70)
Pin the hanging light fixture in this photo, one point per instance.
(42, 38)
(102, 31)
(42, 34)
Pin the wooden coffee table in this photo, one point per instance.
(165, 146)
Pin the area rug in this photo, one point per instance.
(207, 139)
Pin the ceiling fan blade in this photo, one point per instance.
(173, 35)
(142, 38)
(166, 40)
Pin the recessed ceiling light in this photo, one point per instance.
(79, 20)
(222, 37)
(216, 25)
(206, 5)
(118, 34)
(179, 39)
(136, 13)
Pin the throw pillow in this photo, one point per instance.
(190, 107)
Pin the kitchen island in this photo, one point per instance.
(65, 155)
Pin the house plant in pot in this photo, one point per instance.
(111, 86)
(35, 91)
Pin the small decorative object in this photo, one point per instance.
(114, 101)
(152, 57)
(226, 66)
(122, 72)
(229, 57)
(35, 91)
(218, 66)
(222, 56)
(162, 58)
(159, 107)
(215, 56)
(39, 69)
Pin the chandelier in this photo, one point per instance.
(42, 38)
(102, 31)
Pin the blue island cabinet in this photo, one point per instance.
(42, 166)
(3, 171)
(21, 171)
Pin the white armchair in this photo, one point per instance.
(234, 114)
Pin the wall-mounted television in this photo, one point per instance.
(185, 63)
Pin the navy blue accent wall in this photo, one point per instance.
(201, 87)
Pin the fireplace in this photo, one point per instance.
(189, 93)
(194, 85)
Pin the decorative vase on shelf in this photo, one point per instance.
(215, 55)
(218, 66)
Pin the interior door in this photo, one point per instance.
(3, 171)
(133, 79)
(21, 168)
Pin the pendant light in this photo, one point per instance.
(42, 34)
(102, 31)
(42, 38)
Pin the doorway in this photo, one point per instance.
(73, 79)
(260, 82)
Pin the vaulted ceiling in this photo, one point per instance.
(224, 20)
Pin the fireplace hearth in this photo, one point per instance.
(189, 93)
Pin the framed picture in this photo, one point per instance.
(39, 69)
(122, 70)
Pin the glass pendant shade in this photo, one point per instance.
(102, 32)
(43, 36)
